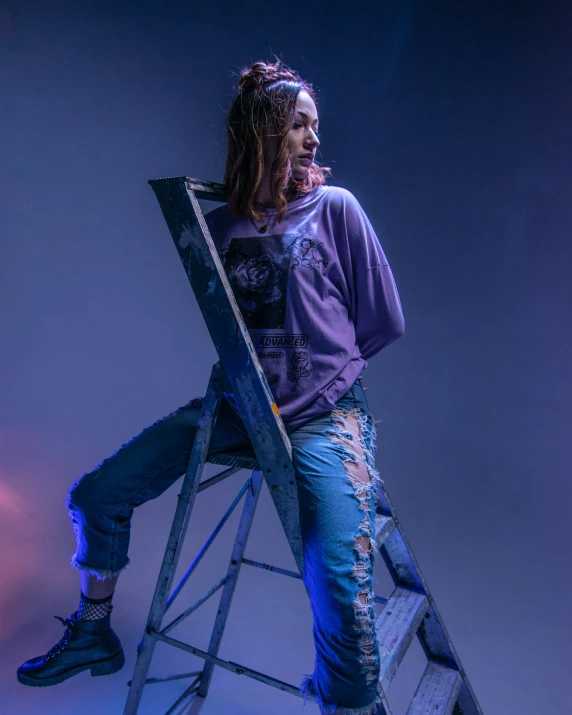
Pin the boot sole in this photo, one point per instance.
(100, 667)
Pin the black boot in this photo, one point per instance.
(86, 645)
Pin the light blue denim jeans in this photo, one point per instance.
(334, 460)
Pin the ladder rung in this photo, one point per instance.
(165, 678)
(245, 459)
(396, 626)
(437, 692)
(384, 525)
(269, 567)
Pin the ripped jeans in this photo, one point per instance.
(334, 461)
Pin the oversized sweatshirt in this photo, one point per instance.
(316, 293)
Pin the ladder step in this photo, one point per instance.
(384, 525)
(396, 626)
(243, 458)
(437, 692)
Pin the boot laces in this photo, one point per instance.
(70, 622)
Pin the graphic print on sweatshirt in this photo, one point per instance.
(258, 269)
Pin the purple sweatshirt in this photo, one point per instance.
(316, 293)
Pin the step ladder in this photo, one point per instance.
(409, 611)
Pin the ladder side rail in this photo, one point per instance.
(235, 349)
(209, 190)
(467, 701)
(433, 636)
(237, 554)
(179, 526)
(205, 190)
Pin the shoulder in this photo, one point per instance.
(341, 201)
(339, 197)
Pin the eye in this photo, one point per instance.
(298, 125)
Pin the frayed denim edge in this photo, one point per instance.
(307, 688)
(100, 574)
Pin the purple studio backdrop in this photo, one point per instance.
(451, 124)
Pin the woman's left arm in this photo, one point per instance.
(376, 306)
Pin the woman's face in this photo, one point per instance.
(302, 137)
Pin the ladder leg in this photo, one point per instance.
(232, 577)
(179, 526)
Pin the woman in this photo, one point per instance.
(319, 300)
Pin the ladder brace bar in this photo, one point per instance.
(207, 543)
(286, 572)
(187, 695)
(218, 478)
(195, 605)
(233, 667)
(165, 678)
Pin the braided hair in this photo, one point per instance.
(264, 105)
(261, 74)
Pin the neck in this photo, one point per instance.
(265, 197)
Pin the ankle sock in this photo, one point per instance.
(92, 609)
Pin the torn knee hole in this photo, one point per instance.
(349, 435)
(363, 544)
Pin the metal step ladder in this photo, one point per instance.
(409, 611)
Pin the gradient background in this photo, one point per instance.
(451, 124)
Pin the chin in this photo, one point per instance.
(300, 174)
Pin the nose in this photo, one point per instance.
(313, 139)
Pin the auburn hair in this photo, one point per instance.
(264, 104)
